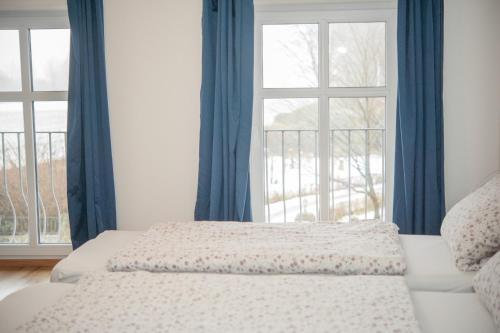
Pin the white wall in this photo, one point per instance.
(153, 56)
(471, 94)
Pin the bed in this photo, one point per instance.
(430, 266)
(434, 311)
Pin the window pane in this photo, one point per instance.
(357, 132)
(291, 159)
(50, 59)
(365, 112)
(291, 114)
(13, 181)
(290, 56)
(357, 54)
(50, 126)
(10, 61)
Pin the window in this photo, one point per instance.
(324, 114)
(34, 67)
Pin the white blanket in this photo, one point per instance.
(371, 248)
(186, 302)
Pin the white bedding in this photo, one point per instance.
(431, 266)
(367, 247)
(439, 312)
(187, 302)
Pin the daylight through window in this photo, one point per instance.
(323, 92)
(34, 65)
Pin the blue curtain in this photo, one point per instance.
(91, 194)
(419, 205)
(226, 111)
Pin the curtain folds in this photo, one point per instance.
(226, 111)
(91, 194)
(419, 204)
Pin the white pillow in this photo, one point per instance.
(472, 226)
(486, 284)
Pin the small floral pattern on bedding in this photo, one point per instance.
(486, 284)
(187, 302)
(472, 226)
(257, 248)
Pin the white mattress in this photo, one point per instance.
(436, 312)
(431, 267)
(429, 261)
(439, 312)
(21, 306)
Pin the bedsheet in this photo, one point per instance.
(92, 256)
(431, 266)
(439, 312)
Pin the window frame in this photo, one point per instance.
(323, 15)
(23, 22)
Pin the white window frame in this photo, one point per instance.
(323, 14)
(24, 21)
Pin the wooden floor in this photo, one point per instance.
(15, 278)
